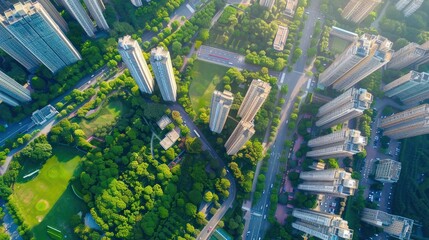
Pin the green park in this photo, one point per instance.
(46, 198)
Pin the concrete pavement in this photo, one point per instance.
(228, 59)
(296, 80)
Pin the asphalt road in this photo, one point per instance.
(211, 225)
(373, 153)
(295, 80)
(227, 59)
(16, 128)
(27, 124)
(176, 15)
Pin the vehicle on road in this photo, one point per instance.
(92, 75)
(196, 133)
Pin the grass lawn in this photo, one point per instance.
(338, 45)
(206, 76)
(47, 199)
(105, 115)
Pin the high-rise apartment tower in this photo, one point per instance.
(78, 12)
(267, 3)
(95, 8)
(409, 123)
(357, 10)
(344, 143)
(412, 7)
(164, 74)
(16, 49)
(412, 54)
(401, 4)
(12, 92)
(241, 134)
(348, 105)
(387, 170)
(256, 95)
(55, 15)
(219, 109)
(396, 226)
(411, 88)
(359, 60)
(335, 182)
(321, 225)
(137, 3)
(32, 26)
(132, 56)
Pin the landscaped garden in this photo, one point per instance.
(103, 116)
(47, 198)
(206, 76)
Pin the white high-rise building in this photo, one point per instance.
(137, 3)
(409, 123)
(412, 7)
(410, 88)
(321, 225)
(335, 182)
(78, 12)
(394, 225)
(132, 56)
(12, 92)
(348, 105)
(219, 109)
(344, 143)
(164, 75)
(241, 134)
(358, 61)
(401, 4)
(357, 10)
(256, 95)
(96, 10)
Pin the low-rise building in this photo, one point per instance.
(169, 139)
(280, 39)
(41, 116)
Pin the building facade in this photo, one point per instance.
(75, 8)
(410, 88)
(334, 182)
(12, 92)
(256, 95)
(358, 61)
(344, 143)
(409, 123)
(16, 49)
(95, 8)
(241, 134)
(219, 109)
(55, 15)
(396, 226)
(132, 56)
(357, 10)
(401, 4)
(321, 225)
(32, 26)
(412, 7)
(412, 54)
(164, 74)
(348, 105)
(267, 3)
(388, 171)
(137, 3)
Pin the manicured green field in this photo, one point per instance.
(47, 199)
(105, 115)
(206, 76)
(338, 45)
